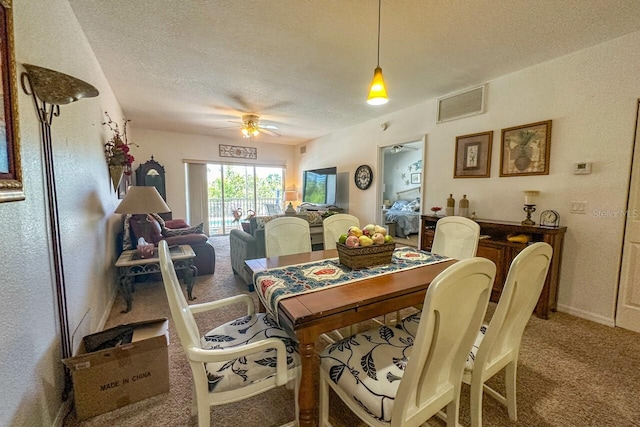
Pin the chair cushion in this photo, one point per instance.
(368, 367)
(240, 372)
(468, 366)
(410, 325)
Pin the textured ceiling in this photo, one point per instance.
(304, 65)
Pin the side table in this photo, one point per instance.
(130, 264)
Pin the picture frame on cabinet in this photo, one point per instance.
(11, 185)
(525, 150)
(473, 155)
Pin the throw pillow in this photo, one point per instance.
(126, 234)
(169, 232)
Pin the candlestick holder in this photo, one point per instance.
(529, 209)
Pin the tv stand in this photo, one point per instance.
(310, 207)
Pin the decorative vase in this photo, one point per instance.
(463, 209)
(116, 173)
(451, 205)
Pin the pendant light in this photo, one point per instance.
(378, 90)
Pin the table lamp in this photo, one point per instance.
(290, 196)
(141, 201)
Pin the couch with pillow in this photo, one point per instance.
(175, 232)
(250, 245)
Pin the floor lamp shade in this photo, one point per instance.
(142, 200)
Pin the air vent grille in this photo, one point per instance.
(462, 104)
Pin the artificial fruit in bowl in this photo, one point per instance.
(352, 242)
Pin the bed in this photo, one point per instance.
(405, 212)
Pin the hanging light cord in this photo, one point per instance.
(379, 6)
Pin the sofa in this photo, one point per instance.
(249, 244)
(175, 231)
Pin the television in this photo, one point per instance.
(319, 186)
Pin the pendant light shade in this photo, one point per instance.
(378, 90)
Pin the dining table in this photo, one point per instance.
(309, 315)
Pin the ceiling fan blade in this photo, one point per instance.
(272, 127)
(227, 127)
(268, 132)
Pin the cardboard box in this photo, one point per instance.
(135, 369)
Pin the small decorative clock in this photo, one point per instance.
(363, 177)
(549, 218)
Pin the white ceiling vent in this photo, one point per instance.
(462, 104)
(303, 149)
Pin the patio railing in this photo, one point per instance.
(221, 218)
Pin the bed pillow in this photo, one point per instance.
(399, 204)
(413, 206)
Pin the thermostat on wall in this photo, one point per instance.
(582, 168)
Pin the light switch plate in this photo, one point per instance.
(578, 207)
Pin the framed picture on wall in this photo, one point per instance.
(416, 178)
(473, 155)
(525, 149)
(10, 169)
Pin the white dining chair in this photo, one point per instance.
(456, 237)
(336, 225)
(286, 235)
(497, 344)
(236, 360)
(388, 378)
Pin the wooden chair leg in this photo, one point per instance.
(476, 403)
(510, 383)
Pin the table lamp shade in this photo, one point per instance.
(290, 196)
(142, 200)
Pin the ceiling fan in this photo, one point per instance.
(250, 126)
(398, 148)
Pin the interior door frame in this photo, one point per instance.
(624, 272)
(380, 176)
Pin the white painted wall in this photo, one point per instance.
(47, 34)
(172, 149)
(590, 96)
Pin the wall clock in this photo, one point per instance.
(363, 177)
(549, 219)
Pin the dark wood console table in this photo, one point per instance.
(498, 249)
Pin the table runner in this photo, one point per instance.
(274, 284)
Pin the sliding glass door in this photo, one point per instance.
(237, 191)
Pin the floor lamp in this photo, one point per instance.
(50, 89)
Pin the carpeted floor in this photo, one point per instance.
(571, 372)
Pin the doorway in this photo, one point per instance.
(402, 174)
(235, 192)
(628, 310)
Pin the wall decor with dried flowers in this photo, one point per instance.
(117, 151)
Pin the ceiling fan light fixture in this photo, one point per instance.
(378, 90)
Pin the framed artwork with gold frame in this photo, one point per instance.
(526, 149)
(11, 186)
(473, 155)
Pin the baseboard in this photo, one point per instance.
(64, 410)
(107, 311)
(587, 315)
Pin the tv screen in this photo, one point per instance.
(319, 186)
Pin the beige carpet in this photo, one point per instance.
(571, 372)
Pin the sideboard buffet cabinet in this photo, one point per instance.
(494, 245)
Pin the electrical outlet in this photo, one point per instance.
(578, 207)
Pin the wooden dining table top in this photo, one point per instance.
(300, 310)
